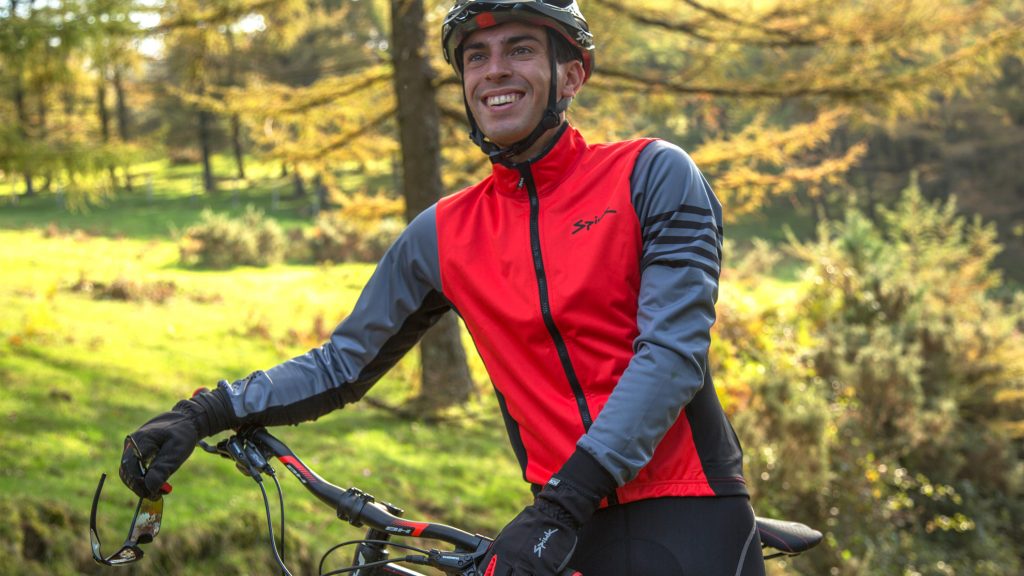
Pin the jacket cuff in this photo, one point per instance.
(210, 412)
(583, 472)
(575, 492)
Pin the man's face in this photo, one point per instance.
(506, 75)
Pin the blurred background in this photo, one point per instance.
(192, 190)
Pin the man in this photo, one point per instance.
(587, 276)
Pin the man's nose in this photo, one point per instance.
(496, 68)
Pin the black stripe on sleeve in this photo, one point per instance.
(662, 260)
(682, 225)
(682, 209)
(712, 256)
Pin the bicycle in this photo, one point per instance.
(251, 451)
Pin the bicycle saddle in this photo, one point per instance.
(787, 537)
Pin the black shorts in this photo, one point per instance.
(712, 536)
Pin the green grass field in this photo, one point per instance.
(80, 371)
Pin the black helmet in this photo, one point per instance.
(561, 16)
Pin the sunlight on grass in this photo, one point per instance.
(80, 371)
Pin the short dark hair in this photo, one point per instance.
(564, 51)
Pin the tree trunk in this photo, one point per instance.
(205, 118)
(236, 124)
(236, 143)
(298, 186)
(22, 112)
(101, 108)
(445, 374)
(123, 128)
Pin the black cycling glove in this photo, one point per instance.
(540, 541)
(165, 442)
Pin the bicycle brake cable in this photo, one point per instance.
(280, 503)
(413, 559)
(270, 524)
(252, 463)
(320, 570)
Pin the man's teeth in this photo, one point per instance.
(503, 99)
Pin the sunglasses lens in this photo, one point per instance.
(125, 555)
(147, 524)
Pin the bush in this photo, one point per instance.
(219, 241)
(126, 289)
(887, 404)
(338, 239)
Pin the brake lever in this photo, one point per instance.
(210, 449)
(450, 560)
(247, 458)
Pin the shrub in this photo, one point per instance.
(219, 241)
(915, 356)
(886, 407)
(126, 289)
(338, 239)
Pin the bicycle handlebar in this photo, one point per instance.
(249, 449)
(357, 508)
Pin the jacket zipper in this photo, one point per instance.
(545, 303)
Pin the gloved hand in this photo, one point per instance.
(168, 440)
(540, 541)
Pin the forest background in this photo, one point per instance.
(192, 190)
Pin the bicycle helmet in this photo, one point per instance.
(563, 21)
(561, 16)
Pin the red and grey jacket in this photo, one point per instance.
(587, 279)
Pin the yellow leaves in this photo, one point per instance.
(761, 162)
(329, 121)
(770, 144)
(362, 207)
(956, 523)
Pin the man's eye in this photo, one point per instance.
(520, 50)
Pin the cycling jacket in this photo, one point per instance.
(587, 279)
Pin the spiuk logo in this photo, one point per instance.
(584, 225)
(542, 542)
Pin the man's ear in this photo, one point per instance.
(574, 77)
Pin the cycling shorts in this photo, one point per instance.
(713, 536)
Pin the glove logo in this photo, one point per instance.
(542, 542)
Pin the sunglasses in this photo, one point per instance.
(145, 524)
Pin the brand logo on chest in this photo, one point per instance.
(583, 225)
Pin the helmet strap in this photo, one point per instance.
(551, 118)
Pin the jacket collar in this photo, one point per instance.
(549, 169)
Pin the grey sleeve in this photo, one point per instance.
(399, 303)
(681, 223)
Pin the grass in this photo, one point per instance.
(78, 372)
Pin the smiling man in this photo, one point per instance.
(587, 276)
(507, 82)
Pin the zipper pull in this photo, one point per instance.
(522, 181)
